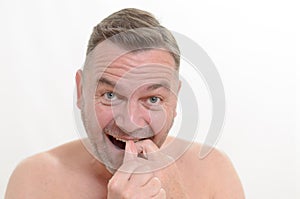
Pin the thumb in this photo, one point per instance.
(130, 151)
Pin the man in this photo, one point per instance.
(127, 94)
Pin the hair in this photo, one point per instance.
(134, 29)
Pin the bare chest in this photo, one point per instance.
(83, 187)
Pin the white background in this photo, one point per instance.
(253, 44)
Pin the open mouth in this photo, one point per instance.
(117, 142)
(121, 143)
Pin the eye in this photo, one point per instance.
(110, 96)
(153, 100)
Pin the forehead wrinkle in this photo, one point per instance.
(153, 86)
(147, 57)
(141, 71)
(150, 67)
(119, 72)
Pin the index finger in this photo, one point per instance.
(154, 154)
(131, 152)
(148, 148)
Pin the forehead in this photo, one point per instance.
(143, 62)
(110, 55)
(138, 69)
(119, 65)
(144, 57)
(142, 65)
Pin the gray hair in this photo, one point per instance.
(134, 29)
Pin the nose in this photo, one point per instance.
(132, 116)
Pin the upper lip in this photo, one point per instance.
(126, 137)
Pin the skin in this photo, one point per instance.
(70, 171)
(133, 80)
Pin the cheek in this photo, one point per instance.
(158, 120)
(161, 120)
(104, 115)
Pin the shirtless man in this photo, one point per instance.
(127, 94)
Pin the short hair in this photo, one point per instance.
(134, 29)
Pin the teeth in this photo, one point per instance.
(120, 139)
(106, 130)
(124, 140)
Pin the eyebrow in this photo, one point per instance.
(161, 85)
(103, 80)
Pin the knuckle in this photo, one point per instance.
(147, 141)
(126, 195)
(162, 193)
(155, 182)
(113, 185)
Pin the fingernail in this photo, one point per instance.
(131, 146)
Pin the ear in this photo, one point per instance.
(79, 88)
(179, 87)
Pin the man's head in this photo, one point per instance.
(128, 87)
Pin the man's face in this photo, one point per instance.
(135, 98)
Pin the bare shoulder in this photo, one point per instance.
(214, 172)
(29, 180)
(41, 176)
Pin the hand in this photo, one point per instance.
(157, 176)
(165, 168)
(131, 181)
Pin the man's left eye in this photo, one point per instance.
(153, 100)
